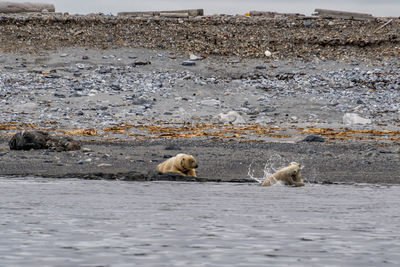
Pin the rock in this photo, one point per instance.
(210, 102)
(194, 57)
(172, 147)
(27, 140)
(141, 63)
(260, 67)
(353, 118)
(104, 165)
(313, 138)
(267, 53)
(231, 117)
(188, 63)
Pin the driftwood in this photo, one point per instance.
(12, 7)
(325, 13)
(384, 25)
(271, 14)
(174, 13)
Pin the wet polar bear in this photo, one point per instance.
(290, 175)
(182, 163)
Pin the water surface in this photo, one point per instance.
(50, 222)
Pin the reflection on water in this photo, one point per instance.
(79, 222)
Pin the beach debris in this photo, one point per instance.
(354, 118)
(267, 53)
(270, 14)
(313, 138)
(327, 14)
(384, 25)
(27, 140)
(172, 14)
(231, 117)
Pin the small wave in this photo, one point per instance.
(274, 163)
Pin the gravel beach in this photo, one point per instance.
(134, 103)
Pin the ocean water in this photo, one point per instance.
(375, 7)
(71, 222)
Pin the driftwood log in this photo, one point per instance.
(12, 7)
(325, 13)
(174, 13)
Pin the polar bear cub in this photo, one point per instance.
(182, 163)
(290, 175)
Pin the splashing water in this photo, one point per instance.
(274, 163)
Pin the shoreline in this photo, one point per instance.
(230, 161)
(127, 105)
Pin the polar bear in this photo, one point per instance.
(290, 175)
(182, 163)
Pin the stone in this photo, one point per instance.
(172, 147)
(353, 118)
(104, 165)
(194, 57)
(231, 117)
(267, 53)
(313, 138)
(210, 102)
(188, 63)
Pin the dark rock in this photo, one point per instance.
(188, 63)
(85, 57)
(141, 63)
(172, 147)
(27, 140)
(260, 67)
(167, 156)
(313, 138)
(268, 109)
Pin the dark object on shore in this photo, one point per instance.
(325, 13)
(27, 140)
(140, 63)
(12, 7)
(188, 63)
(172, 147)
(313, 138)
(174, 13)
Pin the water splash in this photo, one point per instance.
(273, 163)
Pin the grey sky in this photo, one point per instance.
(375, 7)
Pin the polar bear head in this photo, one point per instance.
(186, 162)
